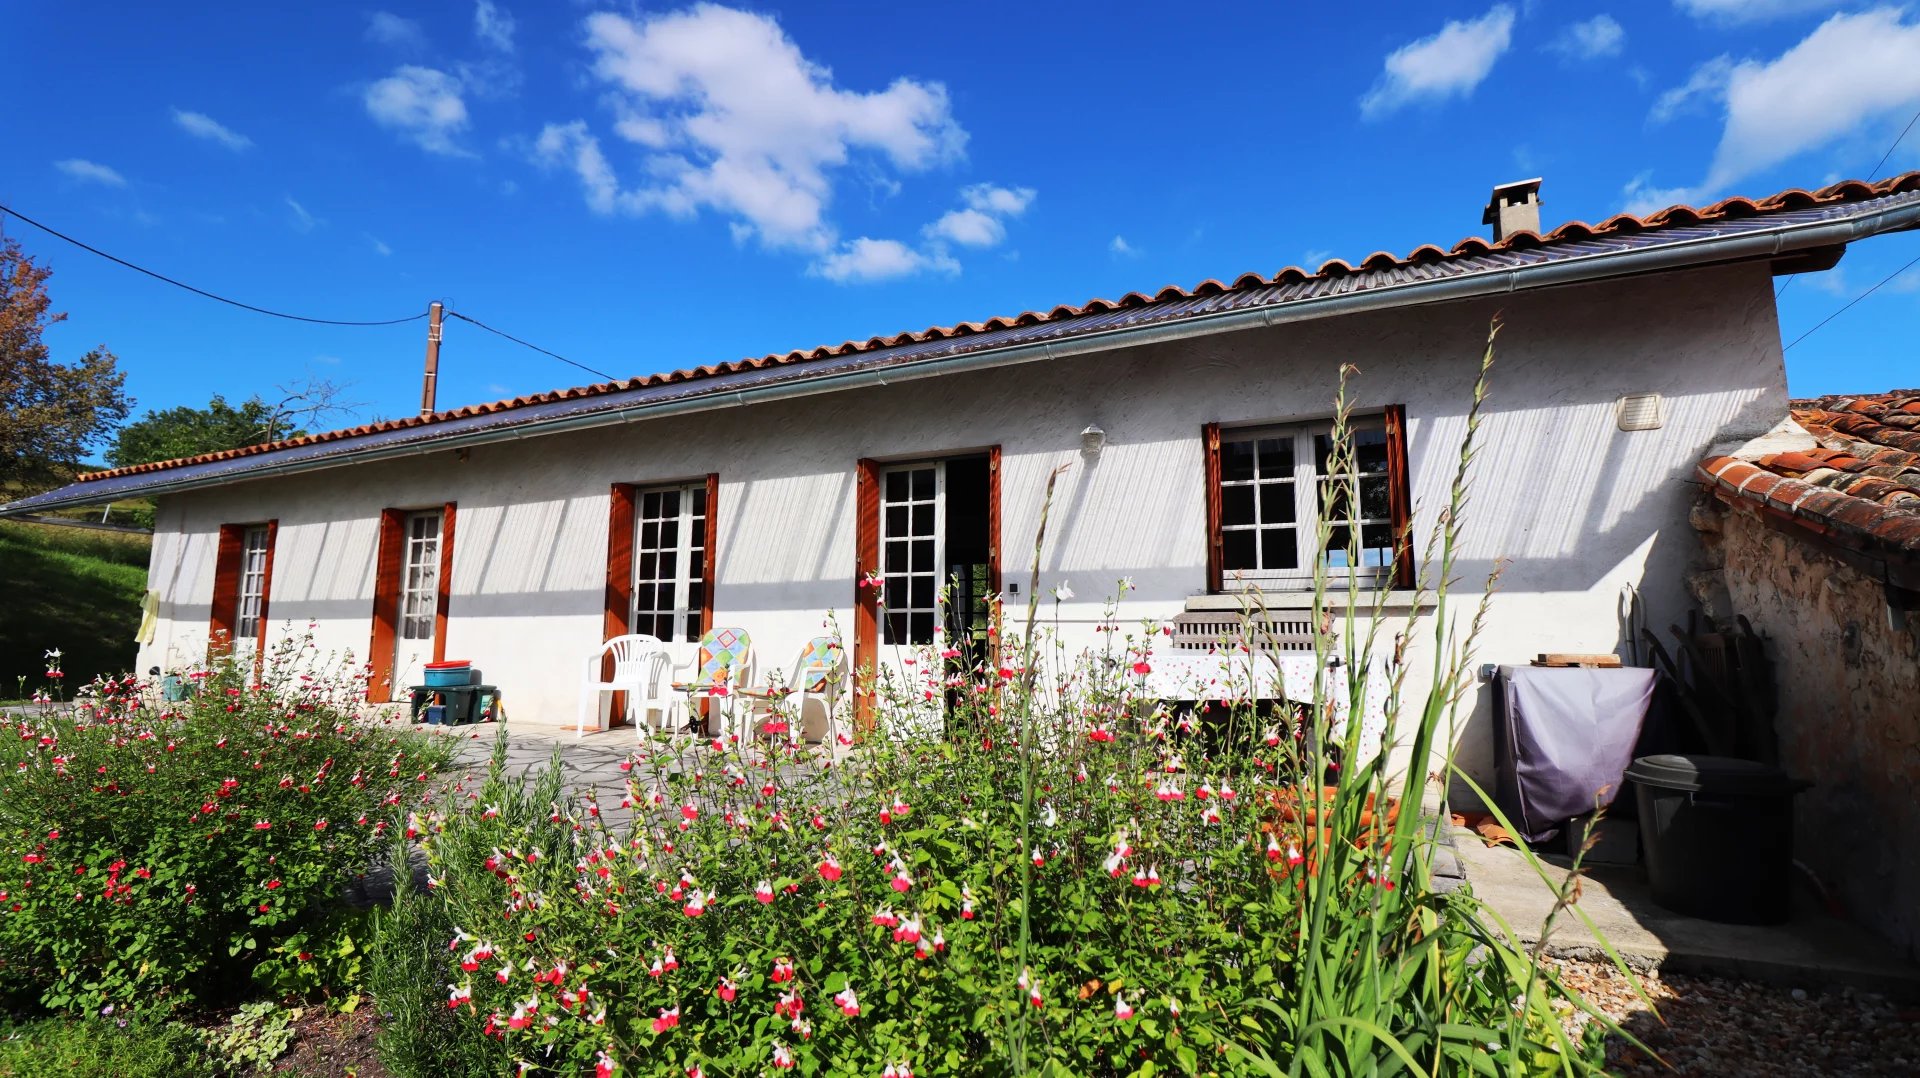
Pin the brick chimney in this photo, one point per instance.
(1514, 207)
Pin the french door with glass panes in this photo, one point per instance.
(251, 593)
(419, 596)
(669, 563)
(912, 550)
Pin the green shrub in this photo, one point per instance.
(419, 1036)
(60, 1046)
(161, 856)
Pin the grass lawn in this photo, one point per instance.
(75, 590)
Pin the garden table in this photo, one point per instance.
(1218, 676)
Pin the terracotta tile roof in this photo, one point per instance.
(1859, 484)
(1420, 261)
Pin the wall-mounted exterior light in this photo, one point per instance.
(1092, 440)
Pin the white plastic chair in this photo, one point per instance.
(819, 673)
(639, 663)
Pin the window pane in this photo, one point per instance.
(922, 592)
(896, 486)
(922, 484)
(1236, 461)
(1276, 457)
(921, 625)
(649, 566)
(896, 625)
(700, 500)
(670, 503)
(665, 596)
(650, 504)
(897, 591)
(650, 535)
(1376, 501)
(1236, 505)
(663, 627)
(896, 558)
(923, 555)
(670, 532)
(896, 520)
(669, 564)
(1279, 549)
(923, 519)
(696, 602)
(1276, 503)
(1236, 550)
(1370, 449)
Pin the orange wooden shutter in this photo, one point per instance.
(866, 600)
(444, 584)
(993, 521)
(1400, 496)
(710, 549)
(386, 604)
(1210, 441)
(619, 594)
(226, 590)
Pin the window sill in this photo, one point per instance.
(1336, 597)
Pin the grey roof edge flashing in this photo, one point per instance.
(1842, 228)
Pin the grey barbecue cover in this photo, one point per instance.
(1563, 738)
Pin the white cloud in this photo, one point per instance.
(1707, 83)
(1850, 72)
(733, 118)
(968, 228)
(422, 104)
(1000, 201)
(1733, 11)
(1594, 39)
(201, 125)
(1315, 258)
(1643, 198)
(386, 28)
(868, 259)
(493, 25)
(379, 247)
(1120, 248)
(90, 172)
(1448, 64)
(302, 220)
(980, 223)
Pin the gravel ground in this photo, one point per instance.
(1722, 1026)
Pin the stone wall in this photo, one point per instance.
(1847, 670)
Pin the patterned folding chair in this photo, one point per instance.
(818, 674)
(723, 667)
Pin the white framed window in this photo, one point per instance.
(669, 562)
(420, 576)
(252, 591)
(912, 550)
(1276, 489)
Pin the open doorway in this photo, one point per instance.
(929, 538)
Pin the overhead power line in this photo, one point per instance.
(1854, 300)
(57, 234)
(1871, 176)
(529, 344)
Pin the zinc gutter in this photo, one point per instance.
(1759, 243)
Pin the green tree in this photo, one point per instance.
(51, 414)
(186, 431)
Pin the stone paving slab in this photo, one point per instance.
(1811, 950)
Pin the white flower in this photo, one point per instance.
(54, 654)
(1062, 592)
(1126, 584)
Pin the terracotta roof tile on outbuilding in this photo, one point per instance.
(1859, 484)
(1469, 255)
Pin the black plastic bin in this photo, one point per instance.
(1717, 835)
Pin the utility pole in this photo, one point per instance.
(433, 359)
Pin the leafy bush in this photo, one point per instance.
(157, 856)
(103, 1047)
(257, 1034)
(1017, 870)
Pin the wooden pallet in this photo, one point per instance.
(1555, 658)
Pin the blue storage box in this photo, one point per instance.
(449, 675)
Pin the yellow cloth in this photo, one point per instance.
(149, 617)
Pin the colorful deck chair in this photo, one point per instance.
(723, 666)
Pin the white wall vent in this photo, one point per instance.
(1640, 411)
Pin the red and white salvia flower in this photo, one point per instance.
(668, 1018)
(1173, 1006)
(727, 990)
(689, 811)
(1227, 792)
(902, 881)
(1272, 737)
(789, 1005)
(966, 902)
(782, 1058)
(1147, 877)
(1099, 733)
(1205, 791)
(763, 891)
(1274, 852)
(1293, 856)
(604, 1066)
(697, 904)
(1122, 1010)
(782, 971)
(522, 1016)
(1080, 774)
(458, 994)
(504, 973)
(884, 917)
(1031, 987)
(908, 931)
(1210, 816)
(829, 868)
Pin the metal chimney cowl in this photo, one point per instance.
(1514, 207)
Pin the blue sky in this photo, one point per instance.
(643, 188)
